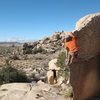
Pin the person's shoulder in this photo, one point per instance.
(68, 38)
(75, 32)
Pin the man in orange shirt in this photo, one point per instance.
(71, 47)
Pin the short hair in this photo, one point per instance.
(68, 38)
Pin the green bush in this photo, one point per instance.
(14, 57)
(61, 63)
(9, 74)
(35, 50)
(65, 72)
(27, 49)
(69, 92)
(25, 45)
(38, 50)
(61, 60)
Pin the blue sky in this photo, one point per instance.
(35, 19)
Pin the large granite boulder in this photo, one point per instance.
(85, 72)
(30, 91)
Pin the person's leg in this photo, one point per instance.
(68, 58)
(76, 54)
(71, 57)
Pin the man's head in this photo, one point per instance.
(68, 38)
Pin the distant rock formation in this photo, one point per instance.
(49, 44)
(85, 73)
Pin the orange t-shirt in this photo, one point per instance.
(72, 45)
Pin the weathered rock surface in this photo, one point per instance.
(88, 29)
(85, 72)
(52, 65)
(30, 91)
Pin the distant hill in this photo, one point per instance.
(9, 43)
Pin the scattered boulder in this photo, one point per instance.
(50, 77)
(52, 65)
(53, 72)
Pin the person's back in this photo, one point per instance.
(72, 43)
(71, 48)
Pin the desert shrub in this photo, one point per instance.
(27, 49)
(64, 72)
(9, 74)
(32, 76)
(25, 45)
(38, 50)
(14, 57)
(13, 45)
(35, 50)
(69, 92)
(61, 63)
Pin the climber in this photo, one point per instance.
(71, 48)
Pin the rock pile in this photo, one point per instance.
(50, 44)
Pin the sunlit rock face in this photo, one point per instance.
(85, 71)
